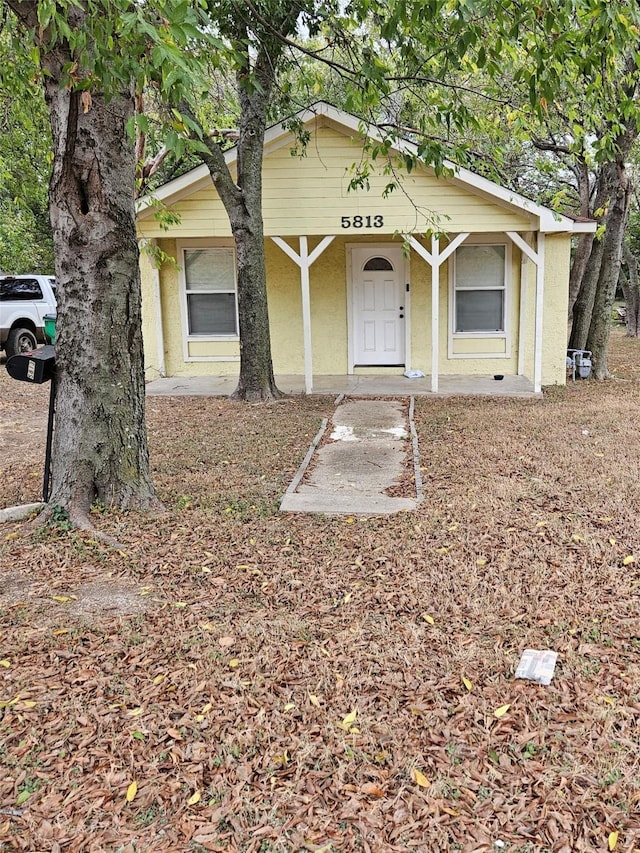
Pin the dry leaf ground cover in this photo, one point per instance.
(238, 680)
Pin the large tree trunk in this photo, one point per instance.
(100, 447)
(256, 381)
(600, 327)
(592, 310)
(242, 199)
(581, 257)
(585, 241)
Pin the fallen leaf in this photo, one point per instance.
(429, 619)
(419, 778)
(612, 840)
(158, 679)
(6, 663)
(501, 711)
(481, 561)
(194, 798)
(234, 663)
(628, 560)
(11, 536)
(314, 700)
(132, 790)
(135, 712)
(467, 683)
(174, 733)
(349, 720)
(289, 706)
(225, 642)
(372, 790)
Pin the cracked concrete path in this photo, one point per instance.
(370, 444)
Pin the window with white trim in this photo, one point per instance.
(210, 283)
(479, 289)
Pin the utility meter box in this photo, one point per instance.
(37, 366)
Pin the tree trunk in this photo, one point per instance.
(592, 310)
(100, 446)
(242, 200)
(256, 381)
(581, 256)
(600, 327)
(585, 241)
(631, 290)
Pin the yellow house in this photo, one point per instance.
(447, 275)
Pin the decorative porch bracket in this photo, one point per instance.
(435, 258)
(304, 260)
(536, 258)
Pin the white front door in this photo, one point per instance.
(378, 306)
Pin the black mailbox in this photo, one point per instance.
(38, 366)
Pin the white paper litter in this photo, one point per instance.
(413, 374)
(537, 666)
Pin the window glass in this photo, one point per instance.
(378, 264)
(24, 289)
(210, 278)
(212, 313)
(210, 269)
(479, 289)
(480, 266)
(479, 310)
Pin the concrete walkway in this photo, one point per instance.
(358, 385)
(370, 443)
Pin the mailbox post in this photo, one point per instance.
(38, 367)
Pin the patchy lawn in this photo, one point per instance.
(273, 683)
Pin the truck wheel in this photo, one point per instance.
(20, 340)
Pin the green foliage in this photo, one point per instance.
(25, 160)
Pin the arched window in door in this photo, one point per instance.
(378, 265)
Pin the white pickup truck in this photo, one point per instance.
(24, 300)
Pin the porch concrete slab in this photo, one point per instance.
(366, 453)
(354, 385)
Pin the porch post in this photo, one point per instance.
(157, 310)
(538, 259)
(435, 259)
(435, 311)
(304, 260)
(306, 315)
(537, 370)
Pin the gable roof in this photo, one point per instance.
(277, 135)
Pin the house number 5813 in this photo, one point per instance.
(362, 221)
